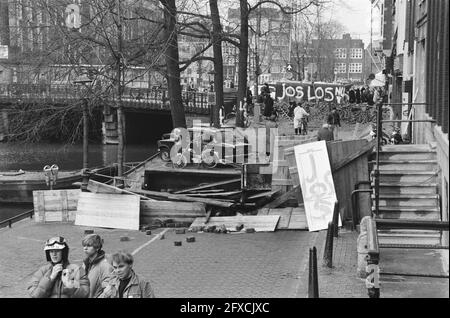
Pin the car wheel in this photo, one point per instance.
(165, 155)
(180, 161)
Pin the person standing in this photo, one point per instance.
(126, 283)
(334, 120)
(58, 278)
(325, 133)
(268, 106)
(300, 116)
(95, 264)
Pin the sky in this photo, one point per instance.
(355, 16)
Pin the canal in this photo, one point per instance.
(33, 157)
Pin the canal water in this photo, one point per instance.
(33, 157)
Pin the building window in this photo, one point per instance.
(340, 53)
(340, 68)
(355, 68)
(356, 54)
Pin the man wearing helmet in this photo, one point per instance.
(58, 278)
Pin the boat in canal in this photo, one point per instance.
(18, 186)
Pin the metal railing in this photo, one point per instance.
(194, 102)
(16, 218)
(380, 121)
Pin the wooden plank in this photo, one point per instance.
(211, 185)
(285, 216)
(178, 211)
(186, 198)
(108, 211)
(98, 187)
(282, 182)
(263, 211)
(55, 205)
(342, 163)
(259, 223)
(282, 199)
(298, 220)
(267, 194)
(211, 195)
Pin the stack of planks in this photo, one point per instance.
(290, 218)
(55, 205)
(281, 178)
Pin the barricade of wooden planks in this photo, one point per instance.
(281, 178)
(349, 164)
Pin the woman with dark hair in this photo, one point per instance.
(58, 278)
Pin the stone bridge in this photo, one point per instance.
(146, 110)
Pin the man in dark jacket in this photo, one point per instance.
(268, 106)
(325, 133)
(334, 121)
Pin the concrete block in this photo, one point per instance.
(190, 239)
(86, 232)
(148, 232)
(250, 230)
(177, 243)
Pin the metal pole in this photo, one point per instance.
(313, 287)
(377, 166)
(328, 254)
(336, 220)
(85, 145)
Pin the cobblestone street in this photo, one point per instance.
(260, 265)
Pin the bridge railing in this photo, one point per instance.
(158, 99)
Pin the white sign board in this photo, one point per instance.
(117, 211)
(4, 52)
(316, 182)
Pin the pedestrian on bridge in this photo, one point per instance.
(58, 278)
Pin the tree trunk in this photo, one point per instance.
(172, 60)
(218, 61)
(120, 115)
(243, 56)
(4, 24)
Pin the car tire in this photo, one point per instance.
(165, 155)
(179, 161)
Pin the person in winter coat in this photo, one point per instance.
(95, 264)
(58, 278)
(300, 115)
(334, 121)
(325, 133)
(125, 283)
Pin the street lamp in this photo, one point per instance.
(84, 81)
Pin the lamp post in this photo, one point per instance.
(84, 81)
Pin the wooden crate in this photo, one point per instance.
(281, 178)
(55, 205)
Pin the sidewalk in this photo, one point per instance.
(342, 282)
(259, 265)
